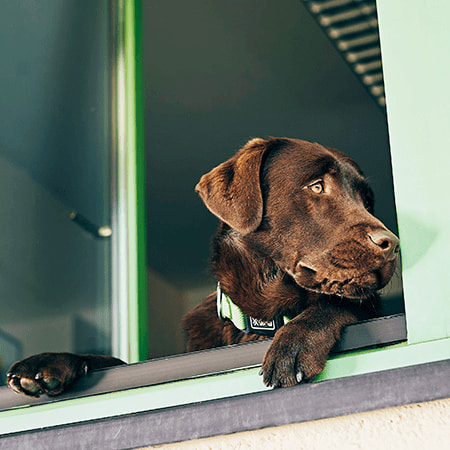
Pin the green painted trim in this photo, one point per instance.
(141, 201)
(377, 359)
(416, 73)
(137, 268)
(210, 387)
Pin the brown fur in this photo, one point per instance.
(296, 237)
(282, 249)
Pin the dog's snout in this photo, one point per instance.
(386, 241)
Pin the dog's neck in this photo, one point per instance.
(264, 280)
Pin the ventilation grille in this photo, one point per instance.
(352, 26)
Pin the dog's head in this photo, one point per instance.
(310, 209)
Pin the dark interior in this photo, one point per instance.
(217, 74)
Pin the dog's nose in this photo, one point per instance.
(385, 240)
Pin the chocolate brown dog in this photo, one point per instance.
(298, 255)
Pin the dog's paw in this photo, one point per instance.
(49, 373)
(291, 359)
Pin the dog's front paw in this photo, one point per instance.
(49, 373)
(292, 358)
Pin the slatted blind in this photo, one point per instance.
(352, 26)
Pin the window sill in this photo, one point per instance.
(149, 411)
(371, 333)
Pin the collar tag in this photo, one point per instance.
(256, 324)
(263, 327)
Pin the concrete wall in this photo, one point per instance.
(424, 425)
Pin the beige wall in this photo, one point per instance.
(425, 425)
(165, 310)
(167, 304)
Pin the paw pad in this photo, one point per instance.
(30, 386)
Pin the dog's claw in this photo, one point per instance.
(15, 389)
(299, 377)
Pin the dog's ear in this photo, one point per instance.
(232, 190)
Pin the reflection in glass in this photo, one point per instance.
(54, 161)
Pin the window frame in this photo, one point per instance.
(129, 290)
(168, 386)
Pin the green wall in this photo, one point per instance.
(415, 41)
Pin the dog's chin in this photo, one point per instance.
(351, 285)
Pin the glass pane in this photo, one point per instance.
(55, 274)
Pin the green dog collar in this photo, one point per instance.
(226, 309)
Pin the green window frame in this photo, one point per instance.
(130, 336)
(418, 108)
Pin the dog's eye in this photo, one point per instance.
(317, 187)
